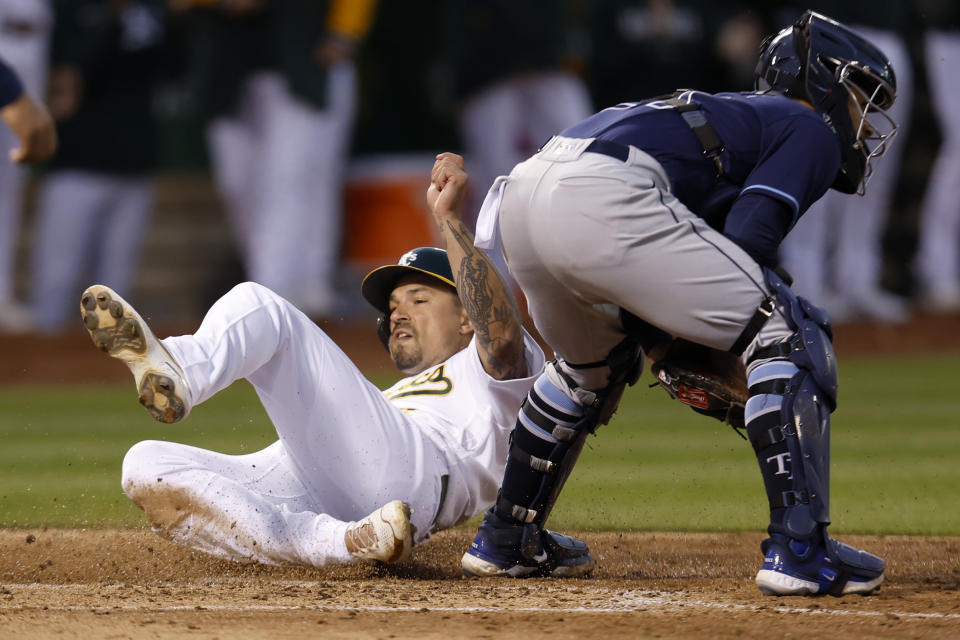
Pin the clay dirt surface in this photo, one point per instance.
(132, 584)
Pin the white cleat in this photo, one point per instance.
(118, 330)
(385, 535)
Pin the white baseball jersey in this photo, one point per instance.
(439, 442)
(470, 416)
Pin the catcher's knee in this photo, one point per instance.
(809, 346)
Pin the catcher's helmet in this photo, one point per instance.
(379, 283)
(824, 63)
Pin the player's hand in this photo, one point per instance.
(33, 126)
(448, 185)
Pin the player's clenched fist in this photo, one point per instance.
(448, 182)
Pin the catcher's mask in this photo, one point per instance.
(379, 283)
(824, 63)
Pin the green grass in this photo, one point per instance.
(658, 466)
(62, 448)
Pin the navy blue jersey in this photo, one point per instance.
(10, 87)
(778, 158)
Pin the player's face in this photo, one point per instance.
(427, 324)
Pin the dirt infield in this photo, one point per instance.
(131, 584)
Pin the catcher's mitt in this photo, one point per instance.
(712, 382)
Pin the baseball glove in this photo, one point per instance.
(711, 382)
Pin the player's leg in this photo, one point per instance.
(353, 450)
(245, 508)
(64, 237)
(304, 152)
(938, 255)
(861, 221)
(350, 445)
(491, 149)
(558, 413)
(233, 142)
(122, 226)
(793, 390)
(12, 180)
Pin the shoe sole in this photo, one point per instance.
(573, 571)
(474, 567)
(119, 331)
(774, 583)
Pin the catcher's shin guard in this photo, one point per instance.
(544, 446)
(792, 391)
(550, 433)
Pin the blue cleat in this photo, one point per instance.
(798, 568)
(503, 549)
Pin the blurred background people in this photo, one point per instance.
(515, 74)
(24, 40)
(937, 262)
(642, 48)
(275, 84)
(95, 203)
(835, 252)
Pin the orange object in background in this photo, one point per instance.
(386, 211)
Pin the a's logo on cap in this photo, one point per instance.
(407, 259)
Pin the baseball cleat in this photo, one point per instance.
(118, 330)
(496, 551)
(385, 535)
(799, 568)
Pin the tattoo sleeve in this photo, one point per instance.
(490, 307)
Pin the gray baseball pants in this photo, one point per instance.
(584, 233)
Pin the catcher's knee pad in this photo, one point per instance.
(810, 346)
(792, 391)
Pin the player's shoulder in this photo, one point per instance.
(770, 104)
(783, 117)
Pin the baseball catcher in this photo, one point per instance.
(672, 210)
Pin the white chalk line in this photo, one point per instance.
(626, 602)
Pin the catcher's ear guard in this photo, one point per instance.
(383, 331)
(709, 381)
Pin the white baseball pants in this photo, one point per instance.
(938, 253)
(90, 226)
(279, 163)
(851, 225)
(344, 450)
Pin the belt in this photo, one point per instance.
(609, 148)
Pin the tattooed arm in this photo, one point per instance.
(485, 297)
